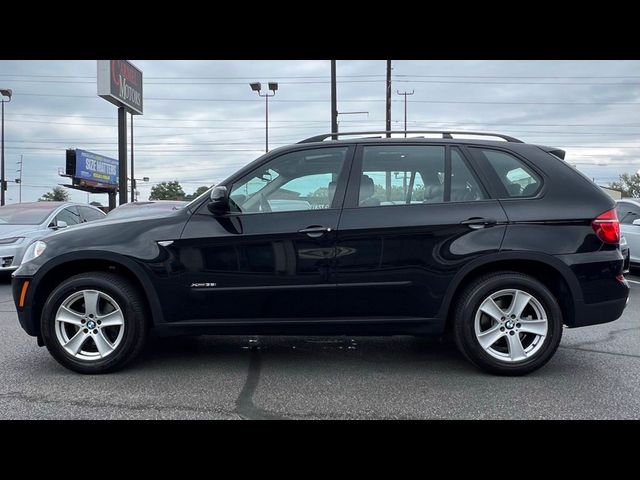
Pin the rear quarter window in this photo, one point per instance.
(517, 178)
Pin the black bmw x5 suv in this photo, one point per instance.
(497, 243)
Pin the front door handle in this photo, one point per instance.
(478, 222)
(315, 231)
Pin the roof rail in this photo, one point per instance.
(445, 134)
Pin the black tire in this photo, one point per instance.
(469, 302)
(130, 300)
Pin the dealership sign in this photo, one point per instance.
(120, 83)
(91, 168)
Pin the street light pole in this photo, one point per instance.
(20, 181)
(405, 108)
(266, 123)
(257, 87)
(4, 92)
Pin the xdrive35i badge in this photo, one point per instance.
(203, 285)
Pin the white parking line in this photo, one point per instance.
(633, 281)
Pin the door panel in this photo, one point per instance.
(405, 256)
(257, 266)
(271, 256)
(400, 244)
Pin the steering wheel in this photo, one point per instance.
(264, 204)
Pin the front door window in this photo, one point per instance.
(303, 180)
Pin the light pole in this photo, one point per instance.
(4, 92)
(19, 180)
(405, 108)
(257, 87)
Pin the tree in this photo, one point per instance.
(629, 185)
(167, 191)
(58, 194)
(199, 191)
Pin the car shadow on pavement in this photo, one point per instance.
(300, 350)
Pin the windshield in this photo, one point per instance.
(24, 215)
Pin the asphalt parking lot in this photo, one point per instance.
(594, 375)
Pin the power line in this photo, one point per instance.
(365, 100)
(370, 120)
(235, 77)
(519, 76)
(93, 77)
(479, 82)
(315, 82)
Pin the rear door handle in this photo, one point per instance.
(315, 231)
(478, 222)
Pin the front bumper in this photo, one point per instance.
(27, 322)
(10, 257)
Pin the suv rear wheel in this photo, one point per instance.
(507, 323)
(94, 322)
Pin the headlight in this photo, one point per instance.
(34, 251)
(7, 241)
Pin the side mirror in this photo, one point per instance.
(636, 221)
(219, 201)
(59, 224)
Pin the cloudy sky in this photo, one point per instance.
(202, 122)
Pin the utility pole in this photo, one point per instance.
(388, 125)
(405, 108)
(122, 154)
(334, 101)
(20, 181)
(133, 178)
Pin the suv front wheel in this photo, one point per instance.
(507, 323)
(94, 322)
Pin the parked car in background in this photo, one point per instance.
(498, 243)
(148, 208)
(628, 210)
(23, 223)
(626, 254)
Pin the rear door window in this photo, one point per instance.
(415, 174)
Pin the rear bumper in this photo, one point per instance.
(596, 313)
(598, 295)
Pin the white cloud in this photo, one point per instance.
(200, 142)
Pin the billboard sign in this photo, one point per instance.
(95, 168)
(120, 83)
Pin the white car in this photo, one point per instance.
(628, 210)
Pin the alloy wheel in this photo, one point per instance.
(511, 325)
(89, 325)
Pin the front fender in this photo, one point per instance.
(137, 271)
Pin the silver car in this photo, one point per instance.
(23, 223)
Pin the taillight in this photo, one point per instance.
(607, 227)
